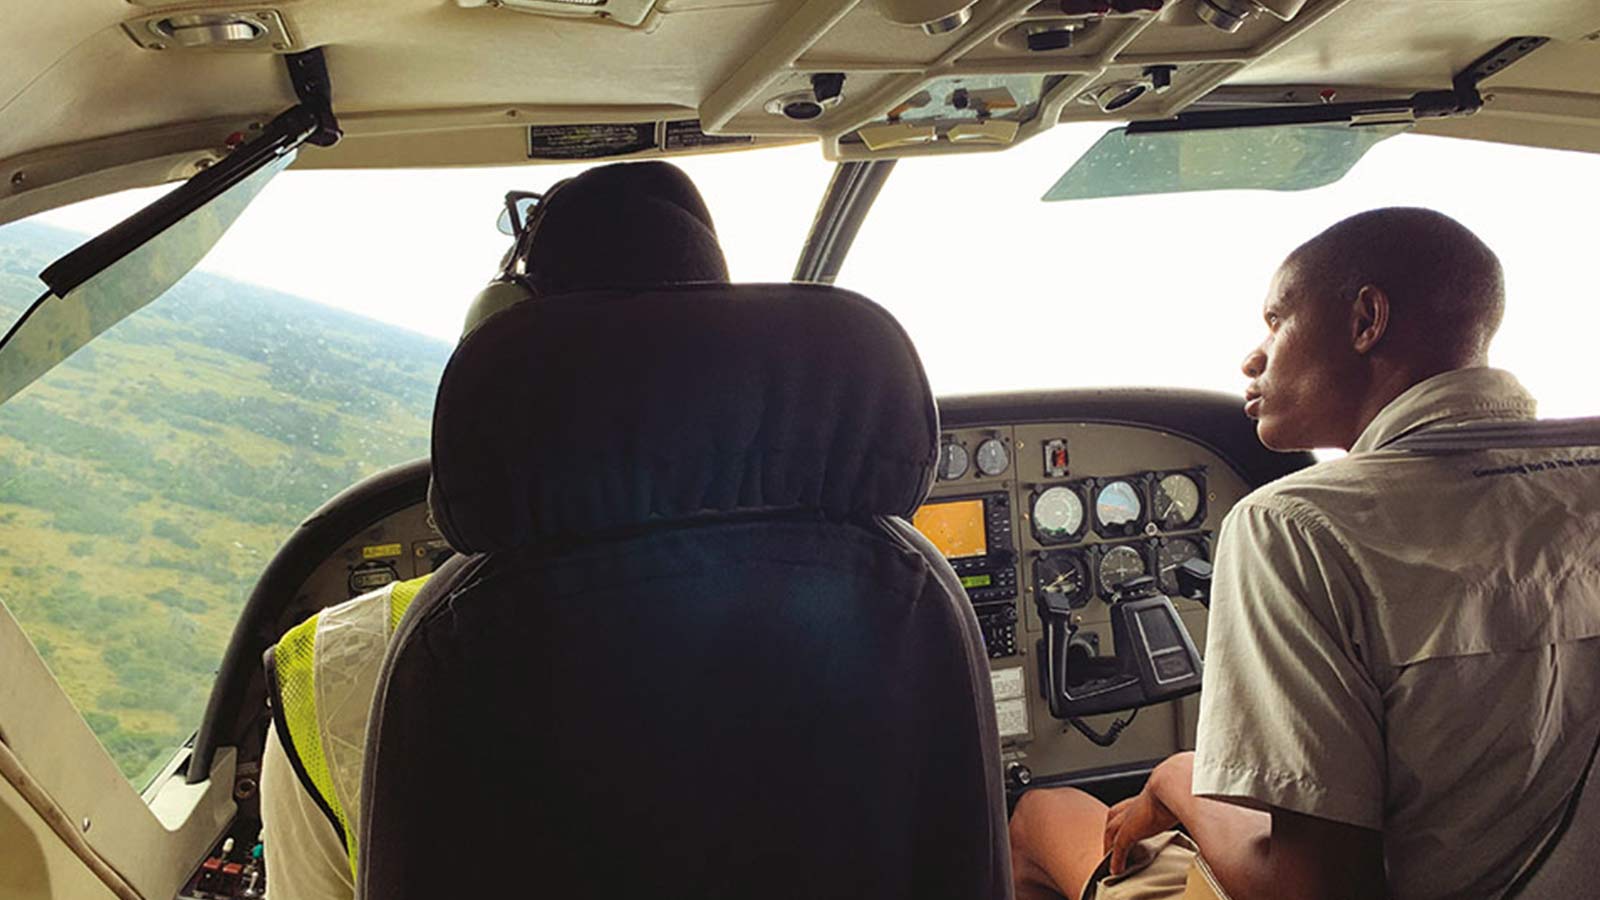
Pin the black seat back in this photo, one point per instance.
(1569, 863)
(691, 648)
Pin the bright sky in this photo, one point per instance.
(998, 290)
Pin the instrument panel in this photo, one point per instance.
(1065, 497)
(1077, 511)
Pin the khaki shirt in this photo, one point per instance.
(1408, 642)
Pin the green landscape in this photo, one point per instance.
(146, 482)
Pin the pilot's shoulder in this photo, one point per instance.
(1328, 493)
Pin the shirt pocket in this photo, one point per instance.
(1500, 614)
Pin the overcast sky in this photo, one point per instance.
(999, 290)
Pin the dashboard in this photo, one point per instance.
(1068, 506)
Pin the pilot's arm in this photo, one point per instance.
(1291, 721)
(305, 858)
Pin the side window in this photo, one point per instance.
(146, 482)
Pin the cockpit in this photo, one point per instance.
(216, 399)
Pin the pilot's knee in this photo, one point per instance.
(1055, 812)
(1037, 810)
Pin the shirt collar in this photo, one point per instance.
(1462, 395)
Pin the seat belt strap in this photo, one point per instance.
(1513, 434)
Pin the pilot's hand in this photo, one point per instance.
(1133, 820)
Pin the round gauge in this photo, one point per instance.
(1118, 566)
(1058, 514)
(1063, 576)
(993, 458)
(1176, 501)
(953, 461)
(1174, 553)
(1118, 503)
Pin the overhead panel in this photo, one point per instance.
(1008, 69)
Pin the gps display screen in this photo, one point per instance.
(955, 527)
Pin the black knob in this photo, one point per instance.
(1019, 775)
(827, 86)
(1049, 38)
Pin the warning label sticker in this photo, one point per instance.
(1012, 717)
(685, 134)
(590, 141)
(1007, 684)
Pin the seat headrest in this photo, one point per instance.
(584, 413)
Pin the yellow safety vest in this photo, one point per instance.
(321, 678)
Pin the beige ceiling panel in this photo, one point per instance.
(56, 176)
(1568, 121)
(865, 36)
(1418, 43)
(1557, 66)
(108, 85)
(492, 56)
(52, 31)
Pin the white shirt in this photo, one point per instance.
(305, 858)
(1411, 643)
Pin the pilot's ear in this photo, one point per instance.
(1369, 318)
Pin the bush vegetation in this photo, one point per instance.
(146, 481)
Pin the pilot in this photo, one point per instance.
(1403, 679)
(616, 226)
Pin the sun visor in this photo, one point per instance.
(116, 281)
(584, 413)
(1283, 158)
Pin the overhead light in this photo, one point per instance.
(209, 31)
(259, 30)
(947, 24)
(1116, 95)
(1230, 15)
(932, 16)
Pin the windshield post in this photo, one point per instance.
(844, 206)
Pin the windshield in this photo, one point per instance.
(146, 482)
(1001, 291)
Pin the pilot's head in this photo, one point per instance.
(618, 226)
(1363, 311)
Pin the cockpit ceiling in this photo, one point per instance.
(458, 82)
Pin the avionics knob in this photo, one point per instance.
(1019, 775)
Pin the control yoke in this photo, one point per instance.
(1153, 658)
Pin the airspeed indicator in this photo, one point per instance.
(1058, 514)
